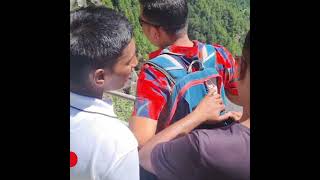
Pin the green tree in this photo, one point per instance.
(213, 21)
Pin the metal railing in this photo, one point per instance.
(133, 82)
(122, 95)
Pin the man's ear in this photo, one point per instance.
(99, 77)
(155, 33)
(162, 31)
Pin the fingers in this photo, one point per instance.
(219, 101)
(217, 96)
(231, 114)
(225, 116)
(209, 84)
(211, 89)
(236, 115)
(221, 107)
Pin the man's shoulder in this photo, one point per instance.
(101, 142)
(233, 130)
(228, 148)
(222, 140)
(215, 45)
(218, 46)
(220, 49)
(149, 72)
(114, 130)
(108, 130)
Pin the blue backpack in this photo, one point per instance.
(188, 86)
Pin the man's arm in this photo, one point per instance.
(230, 73)
(152, 92)
(208, 110)
(143, 128)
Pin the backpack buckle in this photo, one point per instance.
(194, 62)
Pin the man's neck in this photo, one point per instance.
(183, 41)
(245, 119)
(246, 122)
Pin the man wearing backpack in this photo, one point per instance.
(206, 154)
(164, 22)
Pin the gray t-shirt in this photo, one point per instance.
(221, 154)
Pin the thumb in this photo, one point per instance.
(236, 115)
(225, 116)
(211, 87)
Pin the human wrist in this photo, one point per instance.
(199, 116)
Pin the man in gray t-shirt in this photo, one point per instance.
(221, 153)
(205, 154)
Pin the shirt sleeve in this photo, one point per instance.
(126, 168)
(153, 91)
(228, 69)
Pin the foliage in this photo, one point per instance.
(213, 21)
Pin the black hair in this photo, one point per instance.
(172, 15)
(98, 36)
(246, 48)
(245, 59)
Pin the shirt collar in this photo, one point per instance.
(93, 105)
(178, 50)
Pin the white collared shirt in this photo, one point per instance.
(105, 147)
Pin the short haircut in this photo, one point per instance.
(98, 35)
(172, 15)
(245, 59)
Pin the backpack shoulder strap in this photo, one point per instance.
(208, 56)
(161, 69)
(169, 66)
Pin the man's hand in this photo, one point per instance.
(210, 107)
(235, 115)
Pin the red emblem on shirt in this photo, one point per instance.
(73, 159)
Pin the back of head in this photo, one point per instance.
(245, 60)
(172, 15)
(246, 49)
(98, 36)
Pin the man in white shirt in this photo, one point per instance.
(102, 57)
